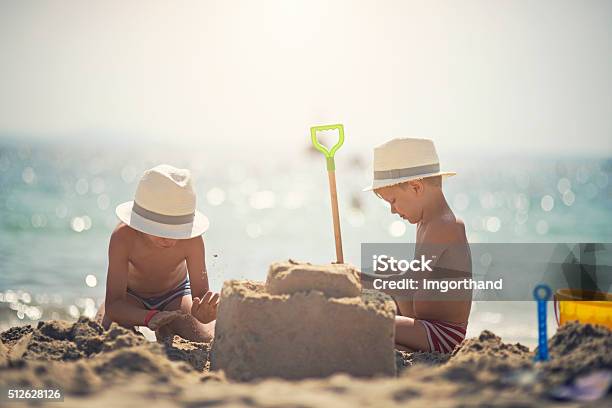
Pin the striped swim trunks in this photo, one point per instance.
(159, 302)
(443, 336)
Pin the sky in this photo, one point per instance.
(513, 76)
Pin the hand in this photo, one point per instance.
(205, 309)
(163, 318)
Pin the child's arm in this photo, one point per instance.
(196, 267)
(204, 307)
(116, 306)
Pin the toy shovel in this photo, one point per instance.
(331, 173)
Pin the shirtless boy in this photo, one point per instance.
(157, 272)
(407, 175)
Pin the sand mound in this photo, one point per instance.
(287, 278)
(306, 321)
(576, 350)
(486, 361)
(488, 352)
(118, 368)
(62, 341)
(80, 357)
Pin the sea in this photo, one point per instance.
(58, 197)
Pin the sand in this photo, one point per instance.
(120, 368)
(334, 281)
(294, 326)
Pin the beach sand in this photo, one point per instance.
(98, 368)
(305, 321)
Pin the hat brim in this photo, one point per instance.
(376, 184)
(195, 228)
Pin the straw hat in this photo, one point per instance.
(164, 205)
(401, 160)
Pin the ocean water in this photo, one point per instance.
(57, 202)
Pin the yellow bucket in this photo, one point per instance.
(571, 305)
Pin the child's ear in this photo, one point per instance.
(417, 186)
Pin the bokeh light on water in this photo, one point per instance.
(57, 212)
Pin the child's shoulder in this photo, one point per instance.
(195, 243)
(446, 229)
(123, 233)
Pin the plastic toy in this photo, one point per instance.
(583, 306)
(331, 172)
(541, 294)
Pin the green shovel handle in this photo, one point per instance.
(329, 154)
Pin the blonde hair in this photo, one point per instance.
(434, 181)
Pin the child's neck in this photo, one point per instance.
(436, 207)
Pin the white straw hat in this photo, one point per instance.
(401, 160)
(164, 205)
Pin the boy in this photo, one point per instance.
(157, 273)
(407, 175)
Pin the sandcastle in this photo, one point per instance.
(305, 321)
